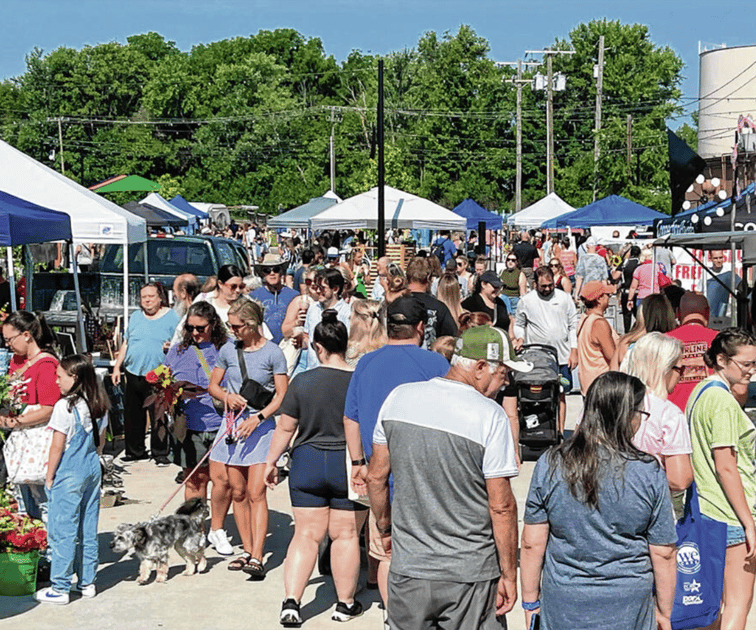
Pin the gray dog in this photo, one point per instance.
(151, 541)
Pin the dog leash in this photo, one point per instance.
(230, 421)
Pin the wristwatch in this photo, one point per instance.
(359, 462)
(260, 416)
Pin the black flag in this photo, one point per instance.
(684, 166)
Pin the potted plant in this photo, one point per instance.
(21, 540)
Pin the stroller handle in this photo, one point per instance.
(541, 346)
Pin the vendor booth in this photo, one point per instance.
(475, 214)
(156, 201)
(550, 207)
(611, 210)
(403, 210)
(300, 217)
(93, 218)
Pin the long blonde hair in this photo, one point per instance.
(449, 293)
(367, 331)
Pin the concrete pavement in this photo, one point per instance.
(218, 598)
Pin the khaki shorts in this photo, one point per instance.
(375, 548)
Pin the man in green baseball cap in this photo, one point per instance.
(451, 451)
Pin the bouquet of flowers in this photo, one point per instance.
(167, 390)
(18, 532)
(11, 391)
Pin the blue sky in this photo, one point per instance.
(377, 26)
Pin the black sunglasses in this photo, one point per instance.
(199, 329)
(267, 270)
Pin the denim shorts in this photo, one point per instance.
(735, 533)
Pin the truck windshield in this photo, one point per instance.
(167, 257)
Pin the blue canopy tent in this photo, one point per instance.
(475, 213)
(611, 210)
(23, 222)
(182, 204)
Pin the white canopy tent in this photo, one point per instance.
(403, 210)
(156, 200)
(94, 219)
(551, 206)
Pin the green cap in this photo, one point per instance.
(489, 344)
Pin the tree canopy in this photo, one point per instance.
(248, 120)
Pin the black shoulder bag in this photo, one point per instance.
(255, 394)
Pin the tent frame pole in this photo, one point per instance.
(81, 339)
(11, 277)
(125, 287)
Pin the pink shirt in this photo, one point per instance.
(665, 431)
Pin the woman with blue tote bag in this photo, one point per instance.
(723, 464)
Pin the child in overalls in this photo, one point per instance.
(73, 479)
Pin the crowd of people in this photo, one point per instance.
(392, 389)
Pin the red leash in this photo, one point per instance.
(230, 421)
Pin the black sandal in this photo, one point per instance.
(254, 569)
(240, 563)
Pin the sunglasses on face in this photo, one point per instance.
(199, 329)
(234, 287)
(308, 281)
(237, 327)
(269, 270)
(511, 260)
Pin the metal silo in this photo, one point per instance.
(727, 89)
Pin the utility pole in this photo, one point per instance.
(334, 120)
(60, 140)
(550, 112)
(519, 81)
(599, 93)
(550, 127)
(629, 144)
(381, 235)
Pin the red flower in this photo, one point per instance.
(151, 377)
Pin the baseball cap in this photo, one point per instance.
(492, 279)
(406, 309)
(333, 252)
(490, 344)
(591, 241)
(594, 289)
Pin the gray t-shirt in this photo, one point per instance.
(597, 571)
(591, 267)
(262, 364)
(444, 440)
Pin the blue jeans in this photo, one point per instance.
(735, 533)
(32, 500)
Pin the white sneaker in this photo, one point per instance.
(217, 538)
(88, 591)
(51, 596)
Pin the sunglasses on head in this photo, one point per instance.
(199, 329)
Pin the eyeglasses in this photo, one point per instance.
(680, 369)
(546, 286)
(199, 329)
(234, 287)
(643, 414)
(553, 266)
(308, 281)
(237, 327)
(511, 260)
(9, 340)
(321, 287)
(269, 270)
(745, 365)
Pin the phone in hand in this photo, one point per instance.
(535, 622)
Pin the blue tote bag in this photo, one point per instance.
(701, 549)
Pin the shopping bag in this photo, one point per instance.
(701, 548)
